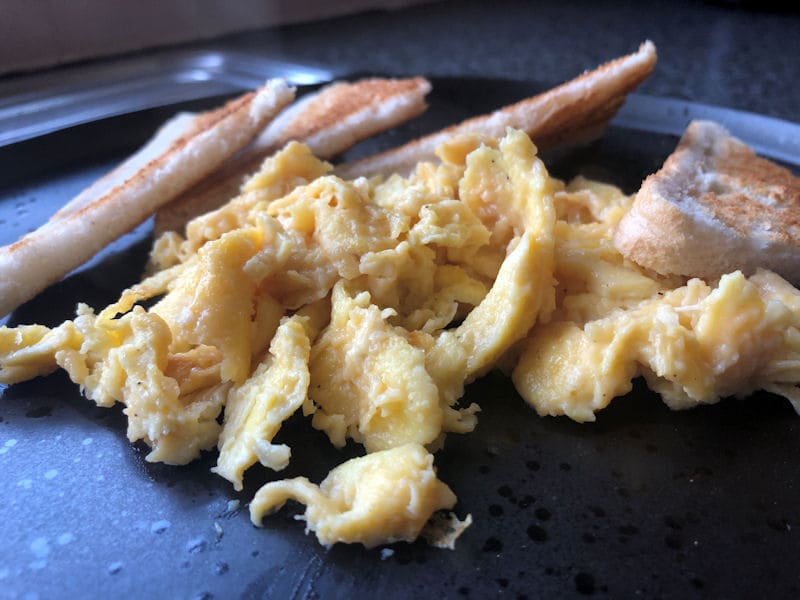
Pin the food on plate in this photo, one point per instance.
(255, 410)
(576, 111)
(379, 269)
(329, 122)
(126, 199)
(190, 148)
(369, 304)
(715, 207)
(383, 497)
(694, 345)
(171, 131)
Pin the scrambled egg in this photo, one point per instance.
(255, 410)
(693, 345)
(369, 305)
(386, 496)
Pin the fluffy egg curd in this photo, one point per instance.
(370, 304)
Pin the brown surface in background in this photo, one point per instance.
(51, 32)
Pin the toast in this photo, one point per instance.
(574, 112)
(329, 122)
(125, 199)
(713, 208)
(178, 126)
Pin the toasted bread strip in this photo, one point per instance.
(571, 112)
(47, 254)
(329, 122)
(342, 114)
(713, 208)
(179, 125)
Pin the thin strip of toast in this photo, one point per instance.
(329, 122)
(176, 127)
(47, 254)
(562, 114)
(714, 207)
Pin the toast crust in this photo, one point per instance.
(714, 207)
(176, 127)
(572, 111)
(339, 102)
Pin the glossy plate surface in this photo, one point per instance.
(644, 501)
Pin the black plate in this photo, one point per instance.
(643, 502)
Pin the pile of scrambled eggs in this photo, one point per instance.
(370, 304)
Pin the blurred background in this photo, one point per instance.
(740, 54)
(50, 32)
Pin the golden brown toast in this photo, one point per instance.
(575, 111)
(713, 208)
